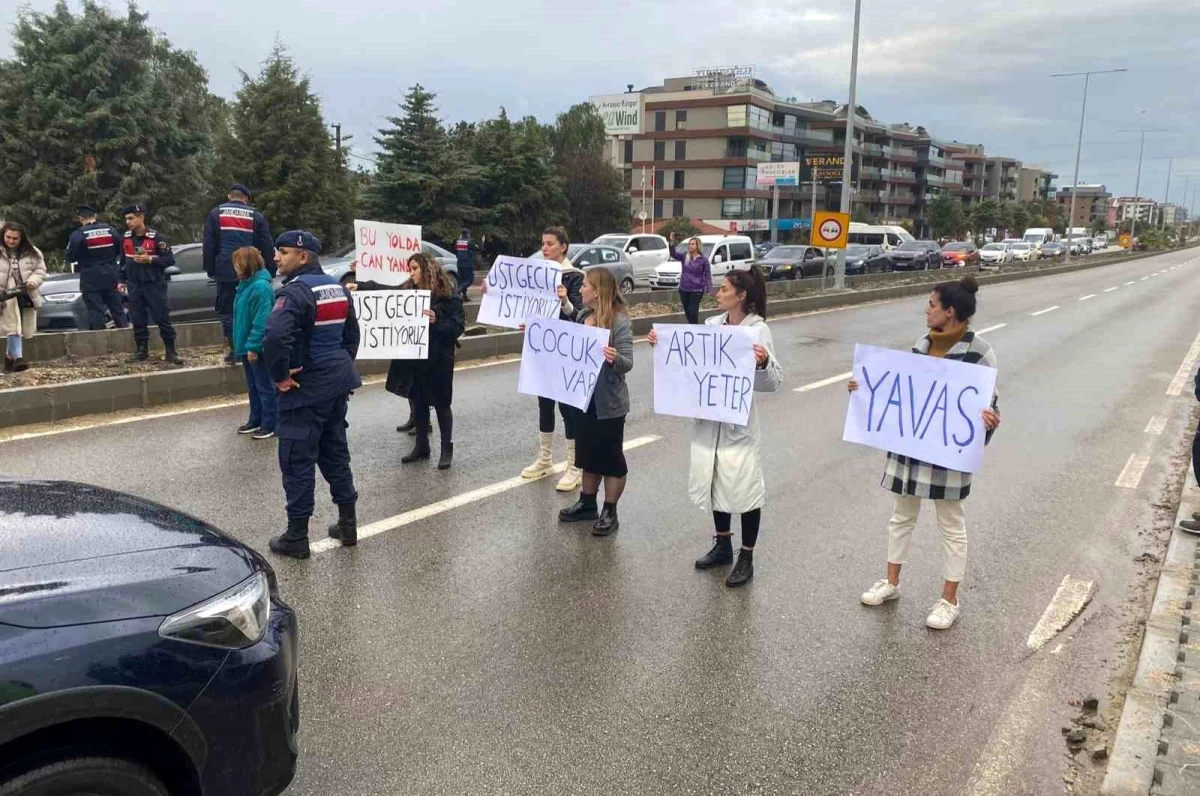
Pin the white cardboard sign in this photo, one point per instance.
(519, 289)
(392, 324)
(562, 360)
(705, 372)
(382, 251)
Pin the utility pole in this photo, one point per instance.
(338, 139)
(839, 274)
(1137, 186)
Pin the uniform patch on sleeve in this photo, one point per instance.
(162, 245)
(278, 305)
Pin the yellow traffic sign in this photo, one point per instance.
(1125, 241)
(830, 230)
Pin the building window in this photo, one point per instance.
(660, 121)
(628, 179)
(681, 150)
(789, 153)
(660, 150)
(735, 116)
(736, 148)
(658, 207)
(739, 178)
(760, 118)
(681, 120)
(758, 150)
(679, 179)
(629, 151)
(676, 208)
(658, 179)
(731, 208)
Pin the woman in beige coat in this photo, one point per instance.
(22, 270)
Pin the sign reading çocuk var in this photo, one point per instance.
(622, 113)
(392, 324)
(518, 289)
(561, 360)
(704, 371)
(920, 406)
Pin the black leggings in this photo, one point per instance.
(691, 305)
(445, 420)
(750, 521)
(546, 417)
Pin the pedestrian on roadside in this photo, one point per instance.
(230, 226)
(312, 339)
(695, 276)
(251, 308)
(1193, 525)
(22, 271)
(600, 431)
(726, 473)
(147, 257)
(947, 316)
(95, 253)
(430, 382)
(465, 250)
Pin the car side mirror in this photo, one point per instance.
(582, 263)
(172, 270)
(633, 250)
(718, 259)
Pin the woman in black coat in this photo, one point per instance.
(430, 382)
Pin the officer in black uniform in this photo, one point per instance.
(465, 251)
(147, 257)
(230, 226)
(94, 252)
(309, 348)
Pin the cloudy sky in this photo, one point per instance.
(971, 70)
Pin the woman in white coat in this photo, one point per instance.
(726, 475)
(22, 269)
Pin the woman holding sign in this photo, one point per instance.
(600, 431)
(695, 277)
(726, 472)
(950, 309)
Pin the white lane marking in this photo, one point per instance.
(1143, 279)
(1131, 476)
(992, 328)
(123, 420)
(1154, 275)
(1072, 597)
(442, 506)
(1111, 289)
(1157, 425)
(1185, 369)
(1089, 296)
(1127, 284)
(1043, 312)
(816, 385)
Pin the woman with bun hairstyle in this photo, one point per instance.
(947, 316)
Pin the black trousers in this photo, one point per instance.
(691, 305)
(226, 291)
(148, 301)
(98, 302)
(445, 418)
(750, 522)
(310, 437)
(466, 278)
(1196, 453)
(546, 417)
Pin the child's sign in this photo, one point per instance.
(519, 289)
(382, 251)
(392, 324)
(920, 406)
(705, 372)
(562, 360)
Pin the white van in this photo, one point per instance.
(645, 252)
(725, 253)
(1038, 236)
(887, 236)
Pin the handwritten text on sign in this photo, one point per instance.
(382, 251)
(920, 406)
(518, 289)
(561, 360)
(392, 324)
(704, 371)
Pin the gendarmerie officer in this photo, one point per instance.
(94, 252)
(311, 342)
(230, 226)
(147, 258)
(465, 251)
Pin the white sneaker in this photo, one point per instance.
(881, 592)
(942, 615)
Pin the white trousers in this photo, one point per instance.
(951, 521)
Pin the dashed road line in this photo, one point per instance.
(1143, 279)
(1111, 289)
(1127, 284)
(1157, 425)
(1043, 312)
(992, 328)
(1185, 369)
(816, 385)
(1068, 602)
(1131, 476)
(1088, 296)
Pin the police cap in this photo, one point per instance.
(299, 239)
(237, 187)
(133, 210)
(85, 211)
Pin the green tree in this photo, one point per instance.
(945, 216)
(1100, 226)
(279, 145)
(682, 227)
(596, 201)
(861, 214)
(984, 215)
(98, 108)
(1020, 218)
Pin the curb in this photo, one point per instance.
(1133, 766)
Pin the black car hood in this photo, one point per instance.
(907, 255)
(73, 554)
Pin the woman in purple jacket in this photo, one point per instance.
(695, 277)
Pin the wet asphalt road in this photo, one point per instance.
(488, 650)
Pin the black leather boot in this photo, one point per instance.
(447, 457)
(409, 426)
(743, 570)
(345, 530)
(20, 365)
(720, 555)
(419, 452)
(294, 542)
(171, 354)
(230, 359)
(9, 362)
(608, 524)
(584, 510)
(142, 353)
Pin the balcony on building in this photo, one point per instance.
(899, 175)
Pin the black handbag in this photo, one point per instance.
(24, 300)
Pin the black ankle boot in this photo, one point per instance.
(583, 510)
(720, 555)
(419, 452)
(172, 355)
(409, 425)
(608, 524)
(743, 570)
(345, 530)
(141, 354)
(294, 542)
(447, 457)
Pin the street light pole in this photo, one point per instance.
(1137, 186)
(1167, 196)
(839, 276)
(1087, 77)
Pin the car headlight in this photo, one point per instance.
(60, 298)
(234, 619)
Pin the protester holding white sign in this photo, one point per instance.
(394, 323)
(518, 289)
(947, 315)
(705, 372)
(726, 465)
(382, 251)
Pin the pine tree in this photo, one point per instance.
(279, 146)
(99, 109)
(596, 201)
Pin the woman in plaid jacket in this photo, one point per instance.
(951, 307)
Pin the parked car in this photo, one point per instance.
(916, 255)
(338, 264)
(793, 262)
(1099, 243)
(590, 255)
(959, 254)
(142, 651)
(1052, 250)
(995, 254)
(863, 259)
(644, 252)
(761, 249)
(1023, 251)
(725, 253)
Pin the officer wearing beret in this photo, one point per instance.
(94, 252)
(230, 226)
(309, 349)
(147, 258)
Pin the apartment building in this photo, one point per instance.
(1174, 215)
(1091, 204)
(1145, 210)
(1035, 184)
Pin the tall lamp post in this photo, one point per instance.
(839, 276)
(1137, 186)
(1087, 77)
